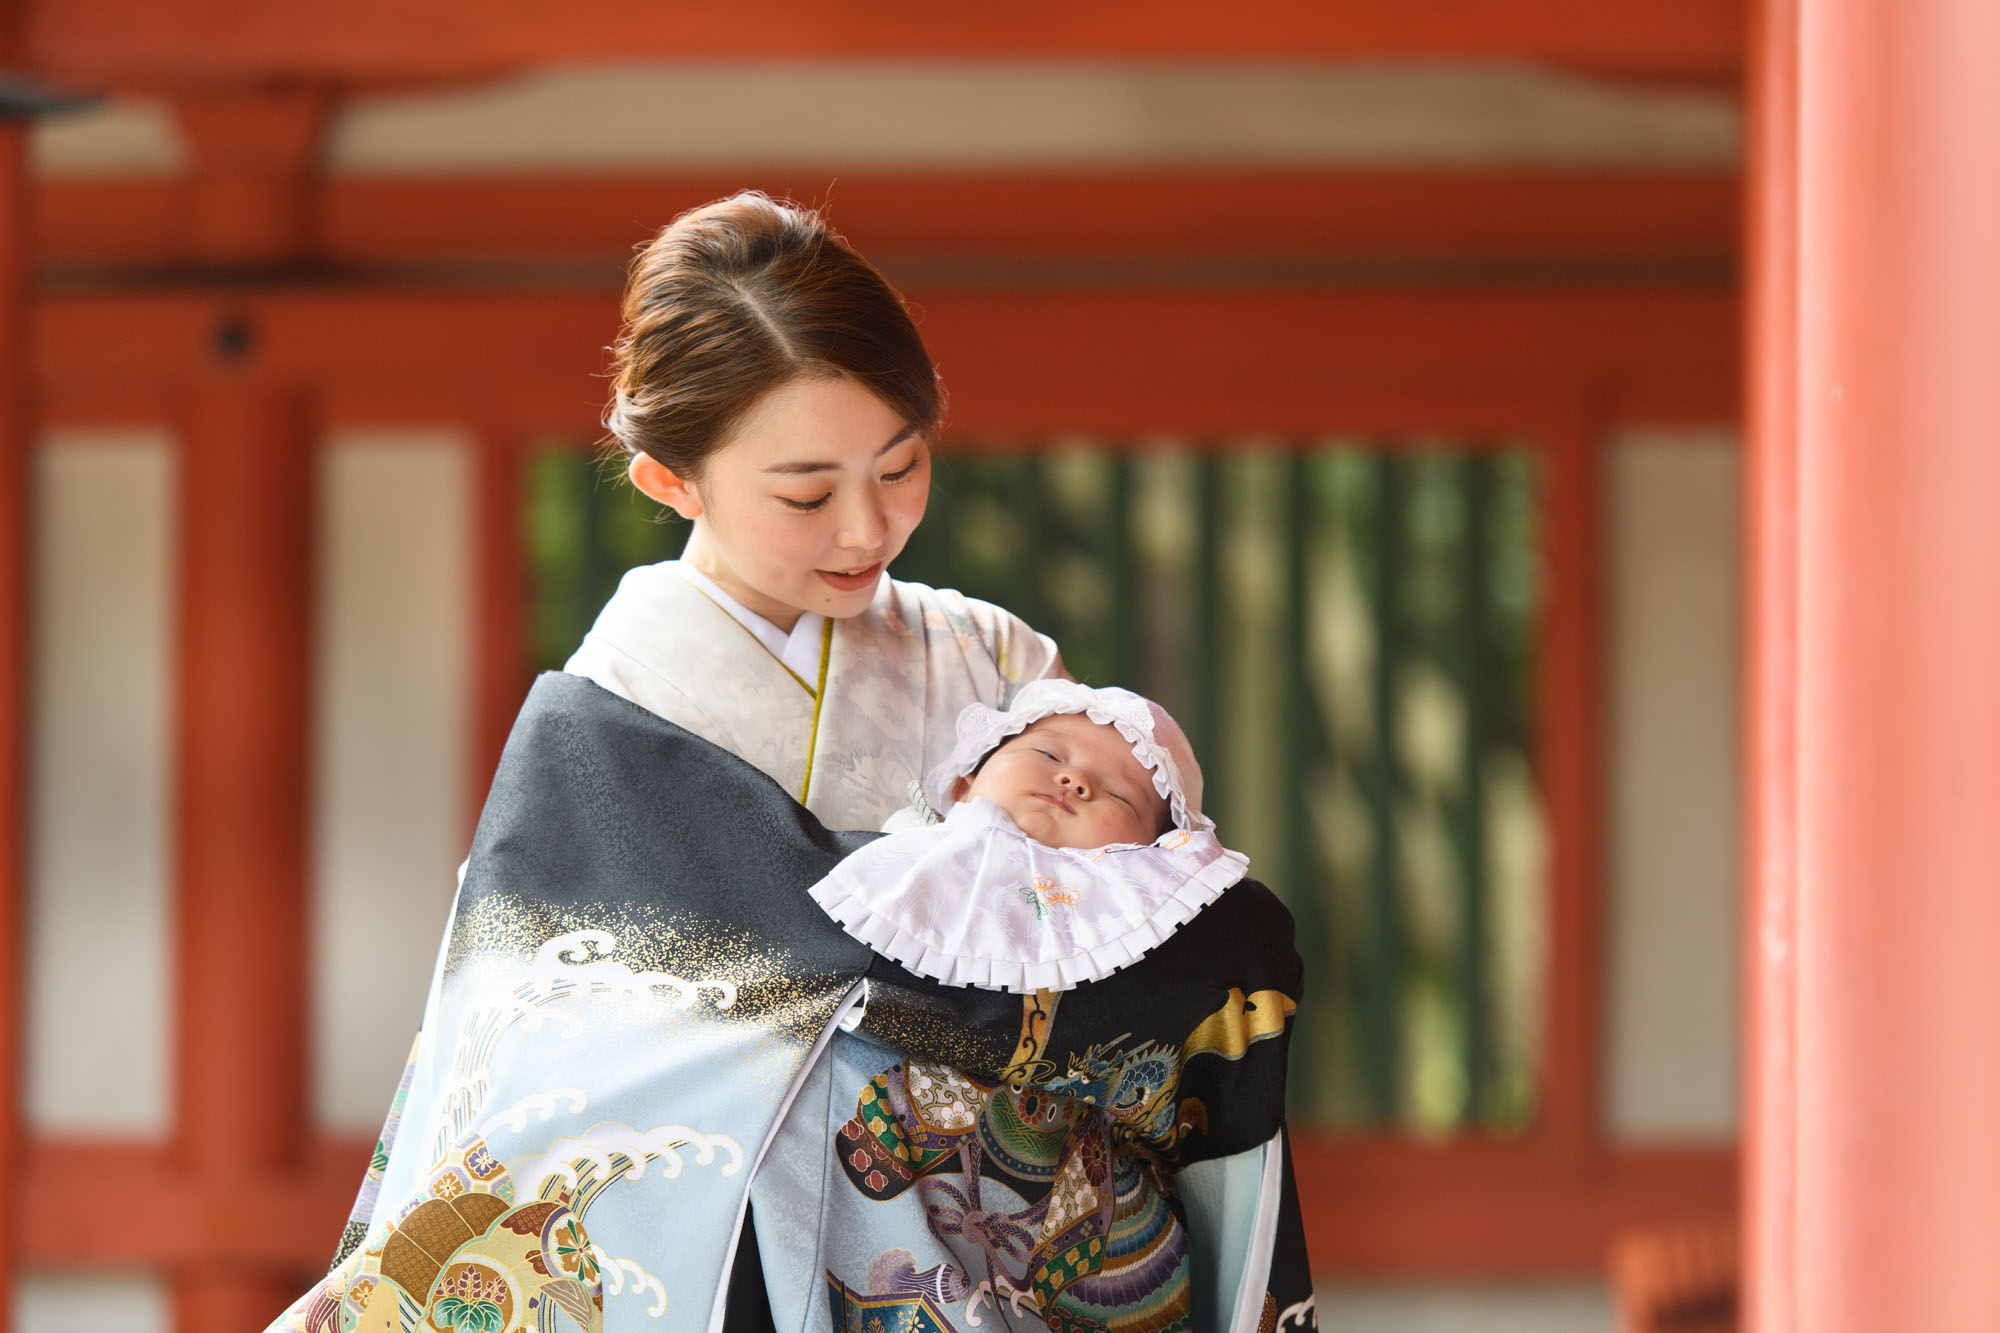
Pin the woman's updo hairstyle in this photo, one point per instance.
(738, 298)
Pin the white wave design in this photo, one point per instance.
(515, 1117)
(580, 962)
(1299, 1314)
(614, 1271)
(601, 1141)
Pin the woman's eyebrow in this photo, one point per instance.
(805, 467)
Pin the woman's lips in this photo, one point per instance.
(853, 582)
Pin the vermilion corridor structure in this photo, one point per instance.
(255, 301)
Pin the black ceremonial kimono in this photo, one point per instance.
(639, 1021)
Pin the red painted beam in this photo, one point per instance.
(1471, 1210)
(286, 1223)
(1116, 362)
(1377, 1209)
(406, 39)
(1661, 218)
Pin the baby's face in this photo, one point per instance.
(1070, 782)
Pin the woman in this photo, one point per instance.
(772, 389)
(639, 1026)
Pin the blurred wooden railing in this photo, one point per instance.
(1680, 1278)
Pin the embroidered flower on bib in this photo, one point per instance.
(1045, 895)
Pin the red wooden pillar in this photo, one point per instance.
(245, 618)
(1569, 747)
(247, 482)
(1874, 1158)
(1770, 863)
(14, 538)
(501, 670)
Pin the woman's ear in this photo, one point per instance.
(655, 479)
(959, 789)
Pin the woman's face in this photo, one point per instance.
(813, 495)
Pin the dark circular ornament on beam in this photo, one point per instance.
(235, 339)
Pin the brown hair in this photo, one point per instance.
(740, 297)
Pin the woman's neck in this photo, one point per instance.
(701, 553)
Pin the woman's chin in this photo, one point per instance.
(840, 603)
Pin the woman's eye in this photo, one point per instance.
(903, 473)
(805, 506)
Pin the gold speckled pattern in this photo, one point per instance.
(772, 984)
(924, 1027)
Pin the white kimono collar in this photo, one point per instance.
(799, 648)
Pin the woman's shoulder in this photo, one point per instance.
(644, 617)
(643, 594)
(908, 592)
(918, 611)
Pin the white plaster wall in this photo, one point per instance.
(988, 114)
(392, 815)
(120, 137)
(90, 1303)
(1676, 567)
(99, 1002)
(1011, 114)
(1464, 1308)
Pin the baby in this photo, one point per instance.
(1074, 842)
(1069, 782)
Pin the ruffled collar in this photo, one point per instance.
(973, 901)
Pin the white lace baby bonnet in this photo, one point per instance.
(973, 901)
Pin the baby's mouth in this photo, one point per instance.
(1066, 807)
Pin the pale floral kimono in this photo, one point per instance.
(847, 744)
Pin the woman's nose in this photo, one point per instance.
(863, 525)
